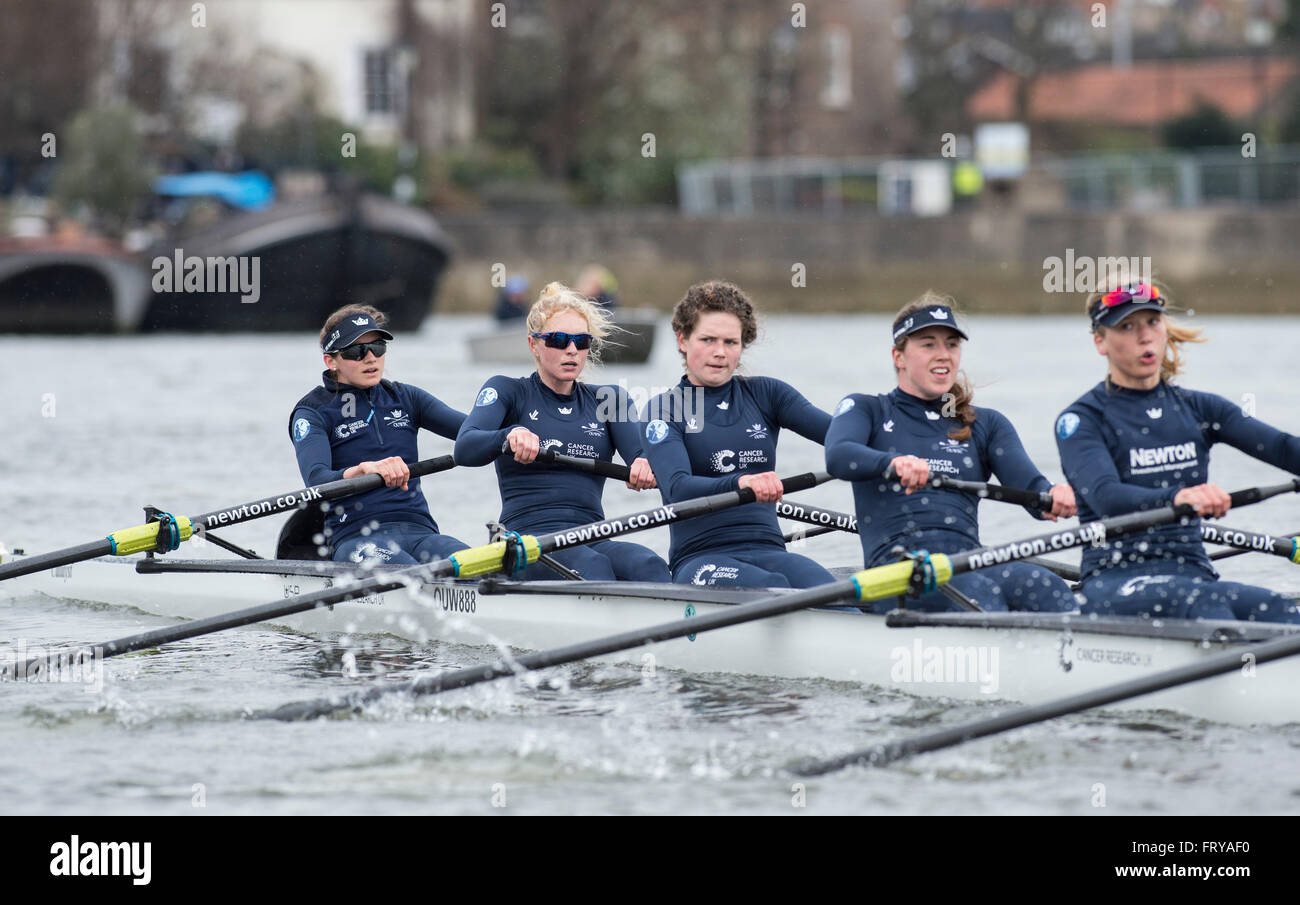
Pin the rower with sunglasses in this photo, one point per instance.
(553, 409)
(1136, 441)
(358, 423)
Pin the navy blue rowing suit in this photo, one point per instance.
(588, 423)
(869, 432)
(697, 450)
(1129, 450)
(336, 426)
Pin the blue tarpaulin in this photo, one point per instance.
(250, 190)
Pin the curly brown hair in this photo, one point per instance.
(715, 296)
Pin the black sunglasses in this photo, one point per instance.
(558, 340)
(357, 351)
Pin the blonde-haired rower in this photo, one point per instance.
(1138, 441)
(554, 409)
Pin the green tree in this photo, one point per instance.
(1205, 127)
(102, 166)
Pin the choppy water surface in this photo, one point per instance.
(97, 427)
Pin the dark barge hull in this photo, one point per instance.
(315, 256)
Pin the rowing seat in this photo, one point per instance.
(296, 537)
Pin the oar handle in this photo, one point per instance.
(1255, 494)
(602, 467)
(1015, 495)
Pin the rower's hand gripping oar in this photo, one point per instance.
(167, 531)
(510, 555)
(870, 584)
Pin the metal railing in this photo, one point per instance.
(1132, 181)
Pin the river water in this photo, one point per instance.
(96, 427)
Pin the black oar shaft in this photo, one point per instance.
(295, 499)
(231, 515)
(1218, 664)
(1033, 499)
(679, 628)
(80, 553)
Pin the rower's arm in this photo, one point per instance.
(1225, 422)
(311, 444)
(436, 415)
(488, 423)
(1090, 469)
(1009, 461)
(793, 410)
(671, 463)
(847, 455)
(625, 426)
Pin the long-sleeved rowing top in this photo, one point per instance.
(1129, 450)
(869, 432)
(336, 426)
(589, 423)
(700, 440)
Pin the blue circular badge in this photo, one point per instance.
(656, 430)
(1066, 425)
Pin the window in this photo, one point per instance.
(837, 89)
(383, 82)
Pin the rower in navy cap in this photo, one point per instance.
(358, 423)
(925, 426)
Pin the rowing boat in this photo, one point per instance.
(984, 656)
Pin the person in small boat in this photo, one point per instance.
(1138, 441)
(599, 285)
(512, 303)
(717, 431)
(554, 409)
(357, 423)
(926, 426)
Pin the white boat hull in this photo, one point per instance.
(1017, 657)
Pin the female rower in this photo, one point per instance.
(1136, 441)
(553, 409)
(358, 423)
(716, 432)
(927, 426)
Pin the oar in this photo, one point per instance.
(1031, 498)
(830, 520)
(166, 533)
(880, 755)
(879, 582)
(504, 555)
(1243, 541)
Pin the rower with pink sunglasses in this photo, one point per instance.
(1137, 441)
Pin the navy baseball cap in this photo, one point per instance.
(349, 330)
(1118, 304)
(930, 316)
